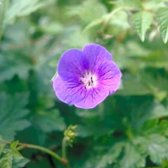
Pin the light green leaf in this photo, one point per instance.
(157, 147)
(52, 28)
(108, 18)
(93, 24)
(158, 111)
(11, 158)
(19, 161)
(132, 158)
(163, 23)
(6, 161)
(86, 11)
(73, 37)
(153, 5)
(129, 4)
(141, 22)
(19, 8)
(12, 115)
(2, 146)
(3, 7)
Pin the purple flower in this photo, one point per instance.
(86, 77)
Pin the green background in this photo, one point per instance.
(130, 128)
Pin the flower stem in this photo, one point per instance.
(42, 149)
(64, 148)
(64, 154)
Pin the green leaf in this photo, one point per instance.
(153, 5)
(11, 65)
(93, 24)
(132, 85)
(19, 8)
(86, 11)
(110, 156)
(154, 83)
(110, 18)
(3, 8)
(146, 112)
(118, 155)
(6, 161)
(75, 36)
(11, 158)
(92, 119)
(158, 111)
(156, 147)
(12, 116)
(2, 146)
(19, 161)
(49, 121)
(129, 4)
(132, 158)
(163, 23)
(141, 22)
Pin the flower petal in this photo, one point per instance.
(92, 98)
(67, 92)
(71, 64)
(109, 76)
(96, 54)
(74, 64)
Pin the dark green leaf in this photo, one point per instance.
(49, 121)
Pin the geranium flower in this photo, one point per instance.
(86, 77)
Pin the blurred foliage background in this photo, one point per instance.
(128, 130)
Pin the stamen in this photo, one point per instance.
(89, 80)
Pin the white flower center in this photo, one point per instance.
(89, 80)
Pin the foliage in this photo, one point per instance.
(10, 156)
(10, 122)
(128, 130)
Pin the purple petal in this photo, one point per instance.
(96, 54)
(109, 76)
(67, 92)
(93, 98)
(70, 65)
(85, 78)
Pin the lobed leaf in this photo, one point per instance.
(3, 9)
(19, 8)
(141, 22)
(11, 65)
(11, 158)
(162, 15)
(49, 121)
(156, 147)
(13, 112)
